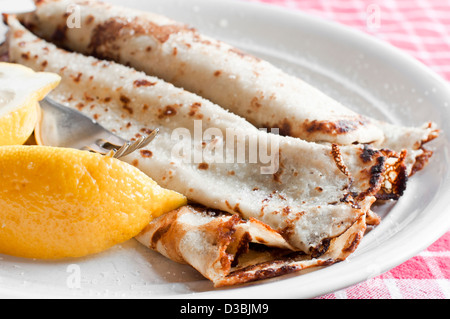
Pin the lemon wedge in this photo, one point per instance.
(57, 203)
(20, 91)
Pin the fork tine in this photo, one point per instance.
(145, 140)
(122, 151)
(142, 142)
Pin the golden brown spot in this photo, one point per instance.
(320, 249)
(334, 128)
(339, 160)
(260, 240)
(203, 166)
(113, 29)
(87, 97)
(158, 234)
(146, 153)
(25, 56)
(286, 210)
(242, 54)
(90, 19)
(194, 108)
(77, 78)
(218, 73)
(367, 153)
(59, 36)
(393, 177)
(146, 131)
(228, 205)
(421, 161)
(277, 175)
(127, 108)
(285, 128)
(124, 99)
(135, 162)
(236, 209)
(255, 103)
(139, 83)
(169, 110)
(18, 34)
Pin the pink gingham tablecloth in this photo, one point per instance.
(420, 28)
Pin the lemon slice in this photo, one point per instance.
(57, 203)
(20, 91)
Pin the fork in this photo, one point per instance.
(60, 126)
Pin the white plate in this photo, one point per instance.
(369, 76)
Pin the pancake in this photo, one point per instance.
(229, 251)
(244, 84)
(308, 192)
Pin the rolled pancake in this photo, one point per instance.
(228, 250)
(316, 192)
(246, 85)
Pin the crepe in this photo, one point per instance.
(246, 85)
(310, 193)
(229, 250)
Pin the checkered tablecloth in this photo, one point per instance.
(421, 28)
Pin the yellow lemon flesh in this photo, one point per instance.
(57, 203)
(20, 91)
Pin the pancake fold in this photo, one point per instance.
(229, 251)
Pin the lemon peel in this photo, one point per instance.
(57, 203)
